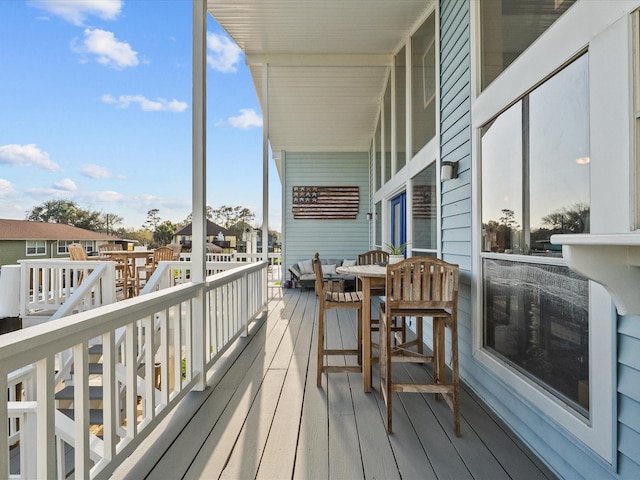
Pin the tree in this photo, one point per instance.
(54, 211)
(209, 212)
(163, 234)
(110, 221)
(69, 213)
(569, 220)
(153, 219)
(227, 216)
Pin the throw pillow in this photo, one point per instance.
(306, 266)
(348, 263)
(328, 270)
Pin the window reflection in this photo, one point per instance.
(425, 209)
(387, 132)
(401, 108)
(535, 167)
(423, 81)
(377, 147)
(502, 218)
(508, 27)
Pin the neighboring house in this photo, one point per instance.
(533, 110)
(24, 239)
(215, 234)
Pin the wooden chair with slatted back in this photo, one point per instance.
(78, 253)
(177, 250)
(120, 265)
(380, 257)
(161, 254)
(421, 287)
(329, 299)
(110, 247)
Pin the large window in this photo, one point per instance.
(425, 212)
(508, 27)
(401, 109)
(423, 84)
(377, 161)
(387, 132)
(535, 183)
(36, 247)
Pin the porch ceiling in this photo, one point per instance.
(328, 62)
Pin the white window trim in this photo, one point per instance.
(26, 248)
(611, 152)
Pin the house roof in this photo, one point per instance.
(28, 230)
(328, 64)
(212, 230)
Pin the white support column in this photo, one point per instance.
(199, 181)
(265, 161)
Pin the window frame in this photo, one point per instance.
(585, 25)
(37, 243)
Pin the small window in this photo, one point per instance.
(62, 246)
(425, 212)
(36, 247)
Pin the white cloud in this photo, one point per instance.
(223, 55)
(248, 118)
(6, 188)
(66, 184)
(83, 197)
(97, 172)
(110, 51)
(26, 156)
(77, 11)
(158, 105)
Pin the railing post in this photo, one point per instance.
(244, 304)
(45, 444)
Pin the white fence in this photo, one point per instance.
(154, 349)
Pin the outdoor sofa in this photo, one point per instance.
(302, 274)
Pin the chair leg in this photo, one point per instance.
(385, 365)
(320, 366)
(359, 334)
(454, 368)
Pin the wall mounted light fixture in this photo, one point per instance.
(448, 171)
(369, 216)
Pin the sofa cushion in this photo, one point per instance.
(348, 263)
(306, 266)
(328, 270)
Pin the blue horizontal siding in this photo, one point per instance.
(331, 238)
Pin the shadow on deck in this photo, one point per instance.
(264, 417)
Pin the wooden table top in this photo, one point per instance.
(376, 271)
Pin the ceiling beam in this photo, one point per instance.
(320, 60)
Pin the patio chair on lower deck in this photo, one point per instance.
(160, 254)
(421, 287)
(330, 299)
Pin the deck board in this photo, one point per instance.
(266, 418)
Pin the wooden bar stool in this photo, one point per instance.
(335, 299)
(421, 287)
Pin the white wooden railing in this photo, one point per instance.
(47, 285)
(181, 331)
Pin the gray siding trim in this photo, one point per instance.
(565, 455)
(335, 239)
(629, 397)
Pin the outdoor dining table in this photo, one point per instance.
(370, 276)
(128, 258)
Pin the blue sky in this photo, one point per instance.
(95, 107)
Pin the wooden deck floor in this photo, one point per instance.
(265, 418)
